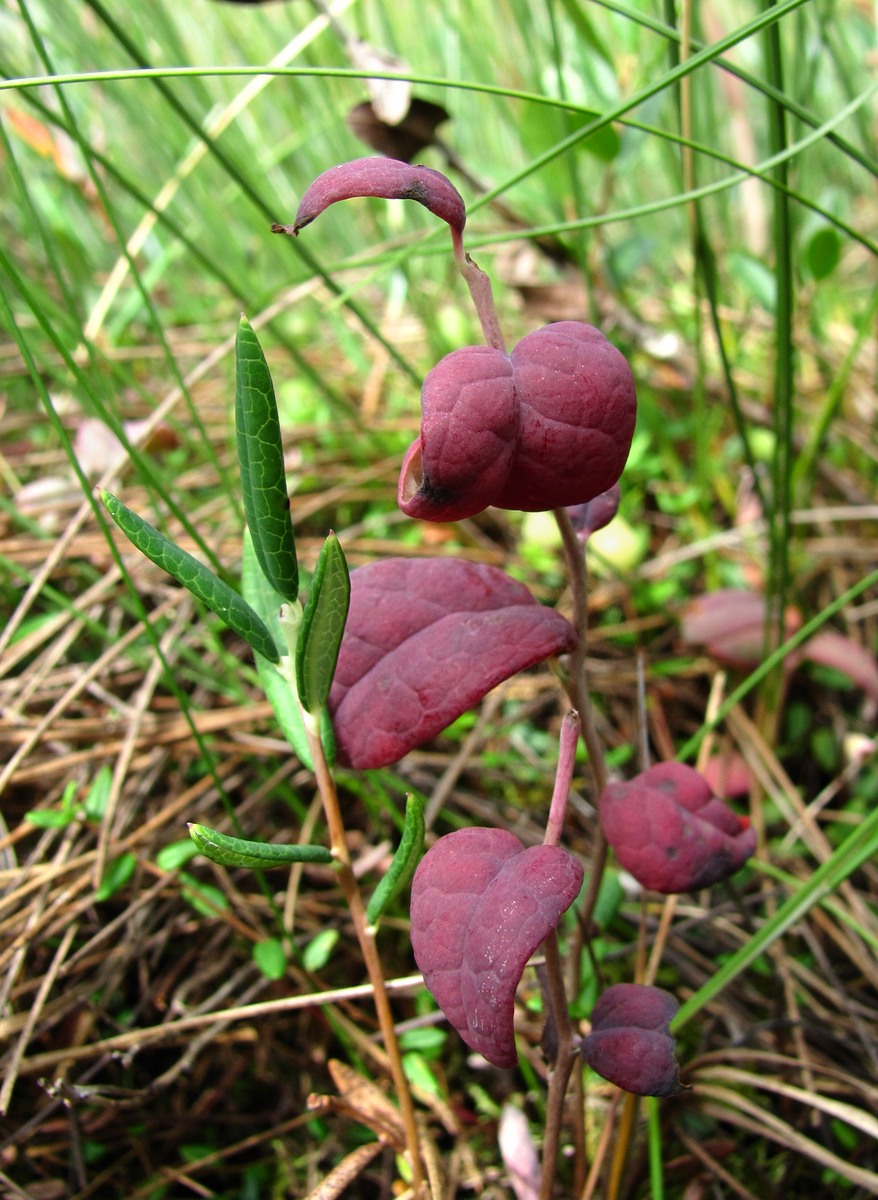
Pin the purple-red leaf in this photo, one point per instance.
(385, 177)
(595, 514)
(425, 640)
(671, 833)
(481, 904)
(630, 1042)
(727, 774)
(831, 649)
(547, 426)
(730, 622)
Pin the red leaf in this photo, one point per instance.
(481, 904)
(547, 426)
(595, 514)
(730, 623)
(843, 654)
(425, 640)
(671, 833)
(385, 177)
(727, 774)
(630, 1042)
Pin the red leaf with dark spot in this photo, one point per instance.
(425, 640)
(481, 904)
(671, 833)
(630, 1042)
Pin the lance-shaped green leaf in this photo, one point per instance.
(195, 577)
(261, 459)
(231, 851)
(323, 622)
(407, 857)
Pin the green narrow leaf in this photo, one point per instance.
(231, 851)
(50, 818)
(194, 576)
(323, 622)
(175, 855)
(407, 856)
(204, 897)
(261, 459)
(98, 796)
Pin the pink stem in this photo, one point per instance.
(480, 289)
(563, 777)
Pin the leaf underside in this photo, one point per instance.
(425, 640)
(230, 851)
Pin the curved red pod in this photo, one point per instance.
(388, 178)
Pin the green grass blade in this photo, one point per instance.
(323, 622)
(784, 379)
(407, 857)
(261, 458)
(212, 591)
(230, 851)
(858, 847)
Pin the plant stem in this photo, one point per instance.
(570, 727)
(577, 688)
(480, 289)
(565, 1055)
(559, 1071)
(368, 948)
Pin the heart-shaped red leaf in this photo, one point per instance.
(425, 640)
(481, 904)
(546, 426)
(630, 1042)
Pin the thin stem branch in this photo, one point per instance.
(570, 727)
(559, 1071)
(368, 948)
(480, 289)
